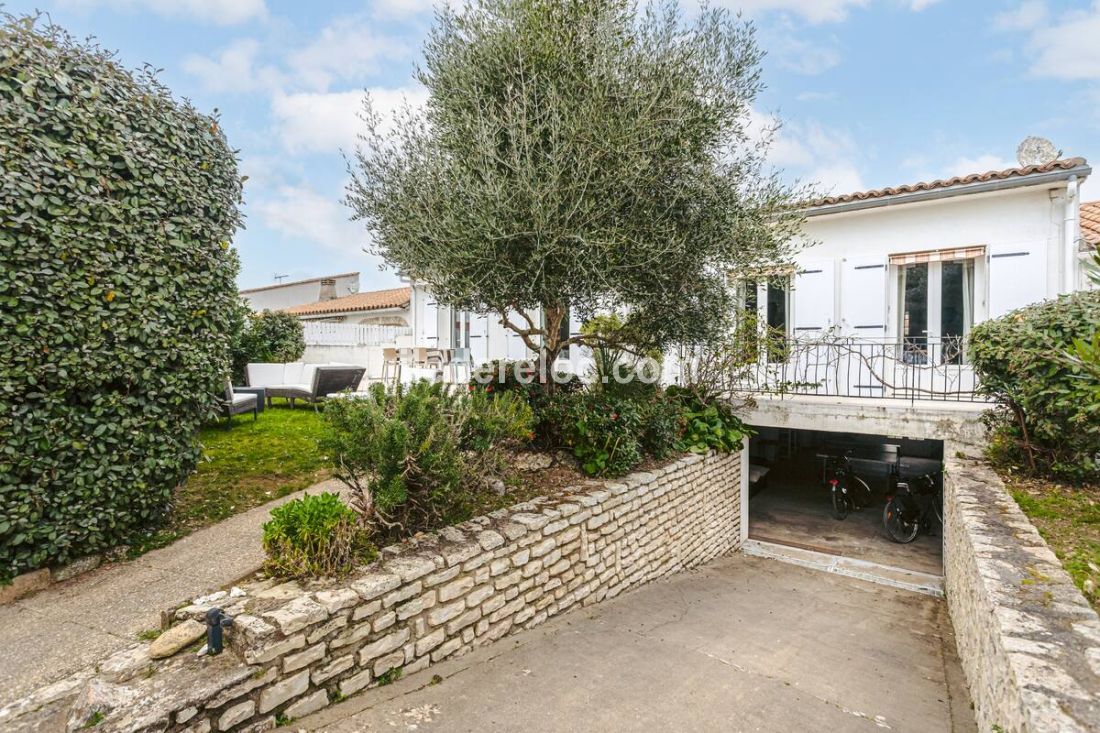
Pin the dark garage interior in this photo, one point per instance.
(790, 494)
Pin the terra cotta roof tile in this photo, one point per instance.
(1090, 223)
(369, 301)
(1029, 170)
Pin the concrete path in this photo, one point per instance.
(67, 627)
(744, 644)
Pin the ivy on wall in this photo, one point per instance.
(117, 285)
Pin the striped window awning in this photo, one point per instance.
(938, 255)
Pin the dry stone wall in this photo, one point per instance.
(294, 649)
(1028, 640)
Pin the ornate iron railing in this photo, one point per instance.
(843, 366)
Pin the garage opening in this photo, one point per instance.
(796, 477)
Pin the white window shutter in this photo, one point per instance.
(479, 339)
(1017, 277)
(813, 296)
(429, 324)
(516, 349)
(863, 296)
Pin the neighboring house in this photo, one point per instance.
(375, 307)
(1090, 235)
(285, 295)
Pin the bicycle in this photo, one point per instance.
(912, 508)
(847, 491)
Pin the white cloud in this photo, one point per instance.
(815, 11)
(300, 212)
(403, 8)
(327, 122)
(346, 49)
(919, 5)
(221, 12)
(924, 167)
(803, 57)
(821, 156)
(1026, 16)
(1069, 49)
(234, 69)
(965, 165)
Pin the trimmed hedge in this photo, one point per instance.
(1049, 419)
(117, 284)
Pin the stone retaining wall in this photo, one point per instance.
(1028, 640)
(294, 649)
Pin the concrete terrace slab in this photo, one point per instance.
(69, 626)
(743, 644)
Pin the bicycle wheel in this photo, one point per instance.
(841, 504)
(859, 491)
(896, 526)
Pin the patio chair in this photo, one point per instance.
(236, 403)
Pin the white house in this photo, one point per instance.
(313, 290)
(916, 266)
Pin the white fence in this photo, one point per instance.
(352, 334)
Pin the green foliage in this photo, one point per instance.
(316, 535)
(117, 285)
(663, 421)
(602, 431)
(579, 155)
(522, 377)
(1049, 417)
(709, 422)
(267, 336)
(416, 458)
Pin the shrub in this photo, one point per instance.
(267, 336)
(1049, 420)
(117, 284)
(709, 422)
(316, 535)
(602, 431)
(662, 419)
(502, 376)
(417, 458)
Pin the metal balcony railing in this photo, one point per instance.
(911, 369)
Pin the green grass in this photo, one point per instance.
(1068, 518)
(243, 467)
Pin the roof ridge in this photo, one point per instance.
(960, 180)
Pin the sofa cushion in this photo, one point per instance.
(292, 373)
(265, 374)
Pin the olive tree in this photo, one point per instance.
(588, 155)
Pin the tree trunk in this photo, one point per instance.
(551, 346)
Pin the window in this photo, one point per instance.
(936, 304)
(765, 302)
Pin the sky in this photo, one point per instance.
(871, 93)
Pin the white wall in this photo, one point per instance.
(276, 297)
(1021, 228)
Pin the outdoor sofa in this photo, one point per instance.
(309, 382)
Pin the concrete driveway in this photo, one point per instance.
(744, 644)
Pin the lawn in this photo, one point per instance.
(1068, 517)
(243, 467)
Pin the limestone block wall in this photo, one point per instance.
(294, 648)
(1028, 640)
